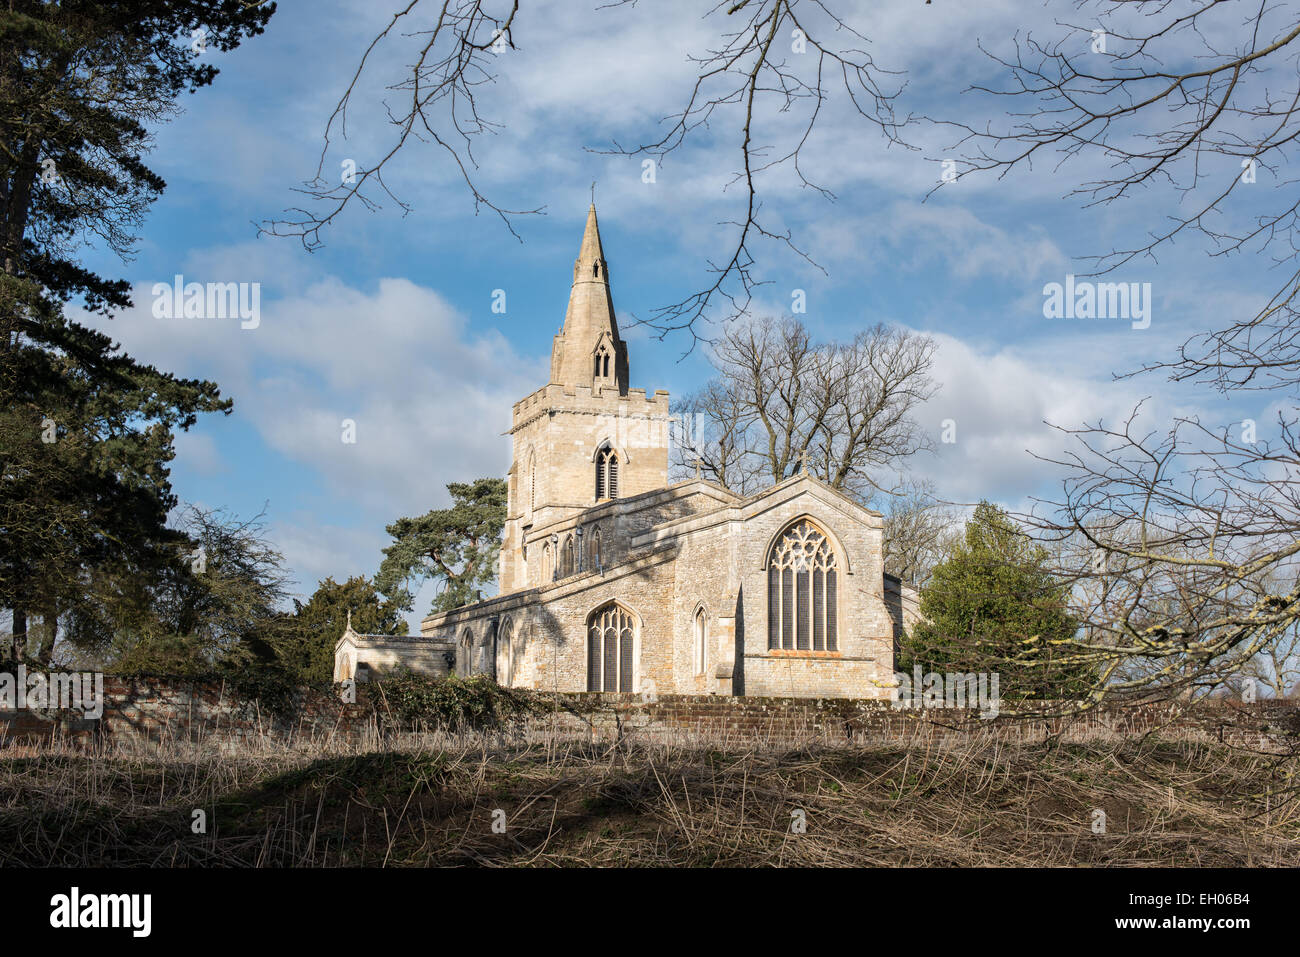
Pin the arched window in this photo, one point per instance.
(467, 652)
(801, 591)
(547, 563)
(567, 567)
(701, 642)
(609, 649)
(606, 472)
(593, 550)
(506, 654)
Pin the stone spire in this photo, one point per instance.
(588, 350)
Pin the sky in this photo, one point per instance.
(390, 323)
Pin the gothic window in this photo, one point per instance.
(609, 649)
(602, 363)
(568, 558)
(701, 636)
(547, 563)
(594, 549)
(606, 473)
(801, 591)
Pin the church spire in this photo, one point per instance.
(588, 350)
(590, 251)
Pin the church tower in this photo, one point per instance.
(586, 437)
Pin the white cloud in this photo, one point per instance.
(1001, 404)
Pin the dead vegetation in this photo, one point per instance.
(433, 800)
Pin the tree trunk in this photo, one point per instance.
(19, 640)
(45, 651)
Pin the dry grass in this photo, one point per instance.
(430, 800)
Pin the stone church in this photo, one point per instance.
(612, 579)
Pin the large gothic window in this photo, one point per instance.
(609, 649)
(606, 472)
(802, 580)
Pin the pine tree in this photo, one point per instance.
(85, 430)
(456, 546)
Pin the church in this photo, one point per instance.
(611, 579)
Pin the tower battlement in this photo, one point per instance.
(580, 398)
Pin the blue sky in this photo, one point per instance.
(390, 323)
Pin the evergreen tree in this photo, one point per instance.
(992, 606)
(455, 546)
(85, 430)
(306, 643)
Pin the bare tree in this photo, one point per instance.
(919, 530)
(775, 66)
(1180, 540)
(1195, 96)
(781, 402)
(1278, 666)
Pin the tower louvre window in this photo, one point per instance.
(606, 473)
(532, 480)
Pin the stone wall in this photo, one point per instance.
(161, 711)
(158, 711)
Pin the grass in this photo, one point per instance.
(431, 800)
